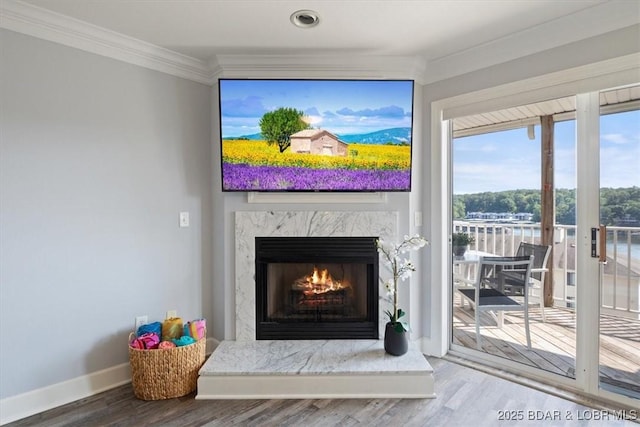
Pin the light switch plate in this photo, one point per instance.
(418, 218)
(184, 219)
(171, 314)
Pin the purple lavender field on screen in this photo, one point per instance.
(245, 177)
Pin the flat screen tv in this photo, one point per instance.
(316, 135)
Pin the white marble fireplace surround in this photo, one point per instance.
(281, 369)
(249, 225)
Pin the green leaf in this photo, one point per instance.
(400, 313)
(399, 327)
(390, 316)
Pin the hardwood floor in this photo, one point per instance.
(465, 397)
(554, 342)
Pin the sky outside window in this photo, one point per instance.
(509, 160)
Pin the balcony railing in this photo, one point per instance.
(620, 277)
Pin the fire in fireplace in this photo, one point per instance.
(319, 292)
(318, 283)
(316, 288)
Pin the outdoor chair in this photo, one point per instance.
(513, 279)
(488, 292)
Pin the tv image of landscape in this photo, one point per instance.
(316, 135)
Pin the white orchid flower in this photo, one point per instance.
(399, 266)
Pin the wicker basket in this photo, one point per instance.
(167, 373)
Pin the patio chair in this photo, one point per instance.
(488, 295)
(513, 280)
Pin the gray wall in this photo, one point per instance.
(97, 157)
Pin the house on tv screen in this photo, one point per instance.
(317, 141)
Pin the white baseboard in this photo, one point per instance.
(32, 402)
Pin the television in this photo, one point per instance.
(315, 135)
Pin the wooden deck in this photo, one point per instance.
(554, 342)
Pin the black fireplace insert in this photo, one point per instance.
(316, 288)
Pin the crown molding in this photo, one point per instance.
(47, 25)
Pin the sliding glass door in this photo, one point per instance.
(503, 185)
(619, 208)
(562, 173)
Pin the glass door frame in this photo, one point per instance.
(587, 217)
(590, 255)
(584, 82)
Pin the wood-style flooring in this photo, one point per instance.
(465, 397)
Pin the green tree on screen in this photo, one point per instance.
(277, 126)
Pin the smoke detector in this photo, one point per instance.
(305, 18)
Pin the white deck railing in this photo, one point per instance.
(620, 278)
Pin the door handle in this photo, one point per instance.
(599, 243)
(603, 243)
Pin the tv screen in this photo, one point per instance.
(316, 135)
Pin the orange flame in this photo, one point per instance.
(318, 283)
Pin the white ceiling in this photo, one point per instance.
(429, 29)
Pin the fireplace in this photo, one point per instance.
(316, 288)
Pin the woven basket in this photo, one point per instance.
(166, 373)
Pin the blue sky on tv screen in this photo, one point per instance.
(343, 107)
(509, 160)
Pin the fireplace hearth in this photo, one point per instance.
(316, 288)
(308, 368)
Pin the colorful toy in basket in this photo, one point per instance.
(165, 345)
(171, 328)
(155, 327)
(146, 341)
(183, 340)
(196, 329)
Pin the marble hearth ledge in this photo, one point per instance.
(312, 369)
